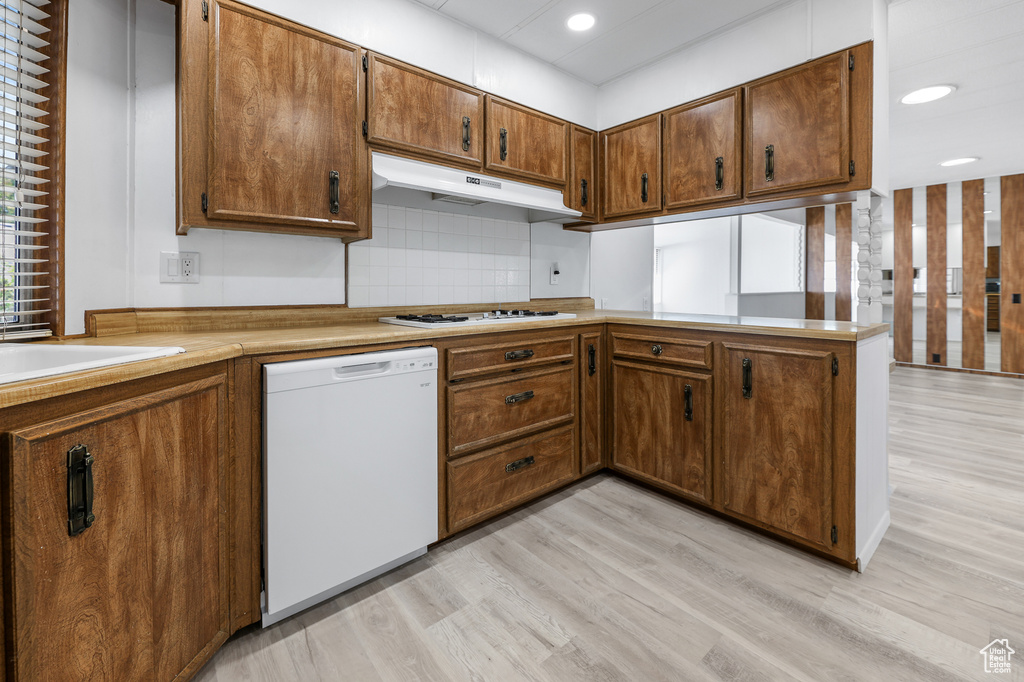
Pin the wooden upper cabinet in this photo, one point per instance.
(631, 168)
(420, 113)
(797, 127)
(526, 144)
(777, 440)
(581, 194)
(702, 151)
(276, 109)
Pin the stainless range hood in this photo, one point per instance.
(470, 189)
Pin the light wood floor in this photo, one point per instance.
(608, 581)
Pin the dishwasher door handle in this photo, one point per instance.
(368, 369)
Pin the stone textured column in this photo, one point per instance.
(869, 258)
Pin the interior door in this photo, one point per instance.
(286, 111)
(776, 439)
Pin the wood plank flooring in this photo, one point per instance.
(606, 580)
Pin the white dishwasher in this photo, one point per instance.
(349, 472)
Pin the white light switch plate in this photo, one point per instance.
(179, 267)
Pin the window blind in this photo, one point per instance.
(24, 262)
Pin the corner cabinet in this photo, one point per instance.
(526, 145)
(114, 527)
(798, 127)
(270, 117)
(419, 113)
(582, 191)
(631, 168)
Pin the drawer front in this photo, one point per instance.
(487, 412)
(670, 351)
(486, 483)
(481, 360)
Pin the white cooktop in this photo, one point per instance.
(475, 319)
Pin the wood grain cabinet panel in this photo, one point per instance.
(702, 153)
(142, 592)
(582, 192)
(592, 401)
(508, 354)
(797, 127)
(275, 109)
(423, 114)
(630, 158)
(663, 348)
(485, 412)
(661, 427)
(776, 439)
(488, 482)
(526, 144)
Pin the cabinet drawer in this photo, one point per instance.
(671, 351)
(487, 412)
(474, 361)
(494, 480)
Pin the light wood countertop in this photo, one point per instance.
(203, 347)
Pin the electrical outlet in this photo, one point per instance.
(604, 303)
(647, 304)
(554, 273)
(179, 268)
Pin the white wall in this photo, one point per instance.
(771, 255)
(696, 267)
(622, 268)
(571, 250)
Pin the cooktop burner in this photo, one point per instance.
(489, 317)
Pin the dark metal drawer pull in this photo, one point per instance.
(503, 143)
(583, 192)
(518, 397)
(334, 187)
(769, 163)
(719, 173)
(519, 354)
(643, 188)
(688, 403)
(656, 349)
(748, 378)
(519, 464)
(591, 360)
(80, 489)
(465, 133)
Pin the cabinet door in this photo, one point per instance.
(592, 387)
(777, 439)
(286, 112)
(631, 168)
(798, 127)
(662, 427)
(582, 191)
(141, 593)
(418, 112)
(526, 144)
(702, 152)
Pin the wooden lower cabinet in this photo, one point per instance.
(776, 447)
(661, 426)
(592, 371)
(141, 591)
(491, 481)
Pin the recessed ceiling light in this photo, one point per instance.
(959, 162)
(929, 94)
(580, 22)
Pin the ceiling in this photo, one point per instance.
(627, 35)
(977, 45)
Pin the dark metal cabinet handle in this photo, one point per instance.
(519, 464)
(656, 349)
(335, 191)
(503, 143)
(643, 188)
(748, 378)
(719, 173)
(769, 163)
(688, 403)
(518, 397)
(591, 360)
(519, 354)
(465, 133)
(80, 488)
(583, 192)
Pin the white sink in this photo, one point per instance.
(22, 361)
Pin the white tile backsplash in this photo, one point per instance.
(421, 257)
